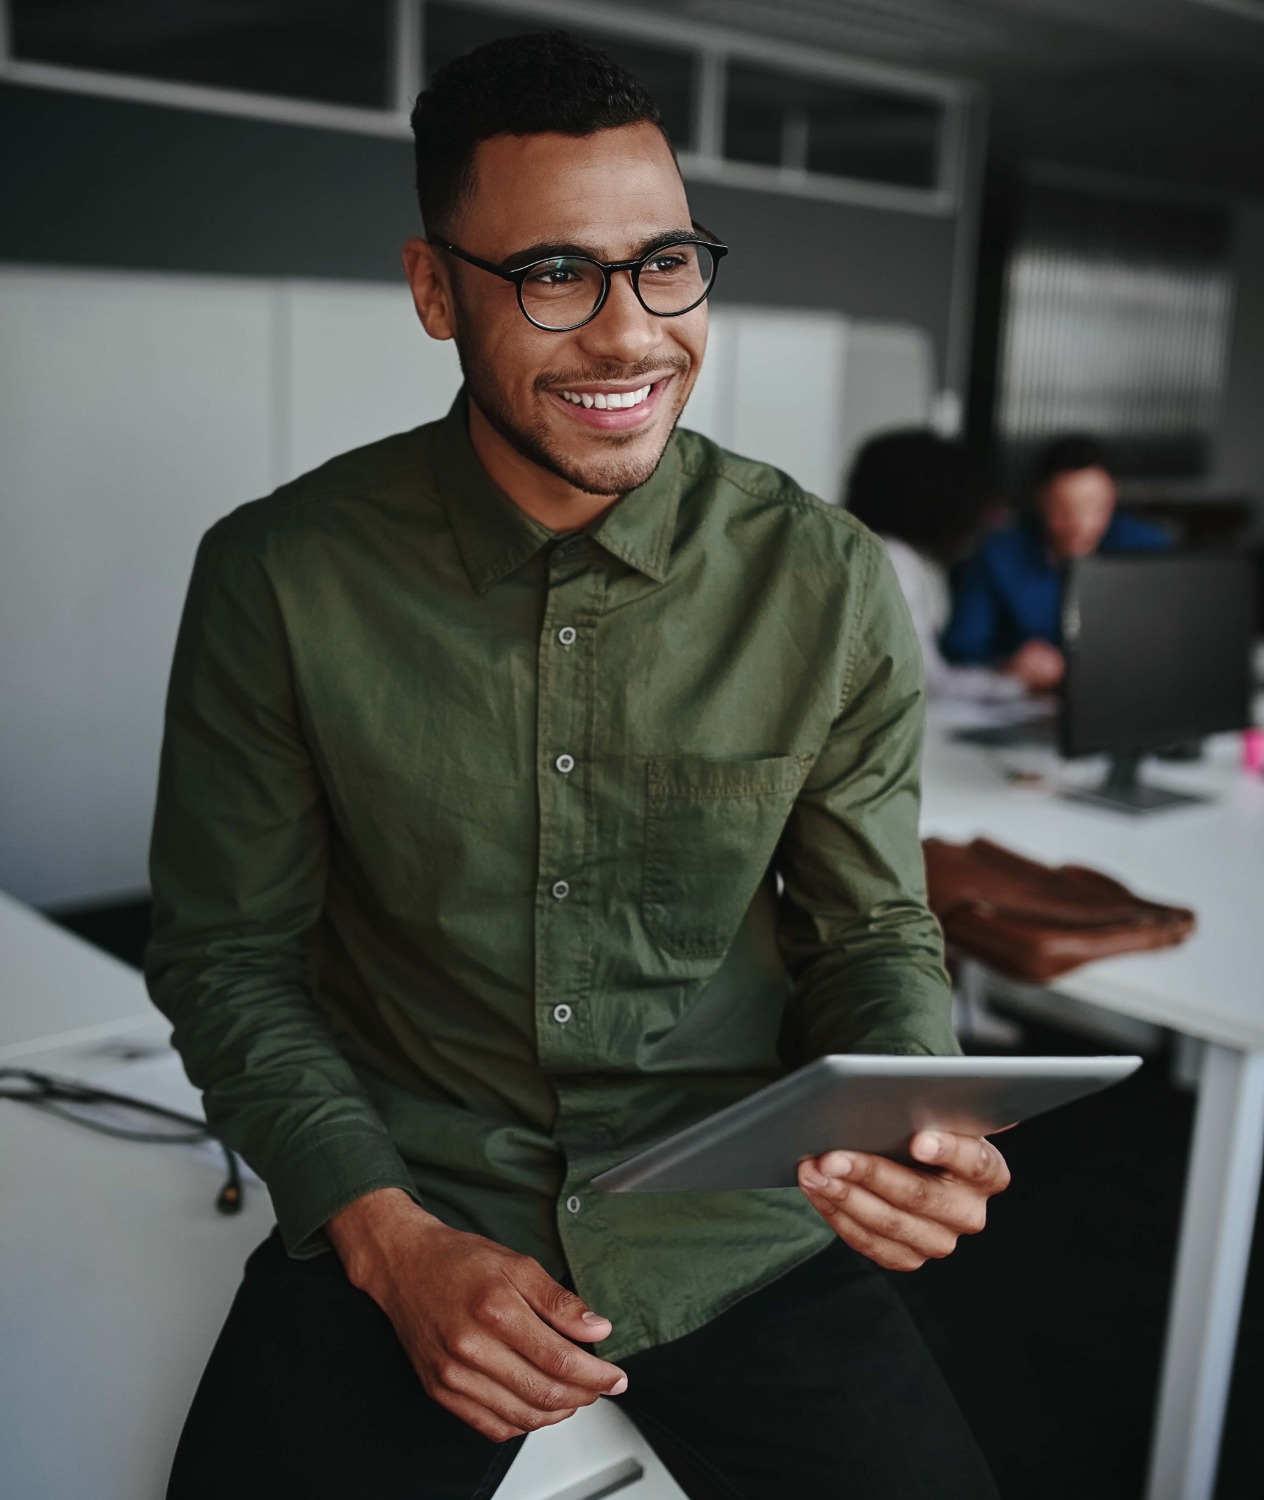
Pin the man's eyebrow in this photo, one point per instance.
(548, 249)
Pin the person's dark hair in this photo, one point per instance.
(546, 81)
(1065, 455)
(919, 487)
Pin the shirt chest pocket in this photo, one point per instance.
(711, 829)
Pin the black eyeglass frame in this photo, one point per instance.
(607, 268)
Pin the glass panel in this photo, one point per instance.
(334, 51)
(832, 128)
(666, 74)
(1118, 316)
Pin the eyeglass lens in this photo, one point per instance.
(563, 292)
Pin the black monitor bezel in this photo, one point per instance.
(1072, 749)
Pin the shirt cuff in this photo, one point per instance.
(326, 1176)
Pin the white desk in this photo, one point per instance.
(116, 1271)
(55, 987)
(1209, 857)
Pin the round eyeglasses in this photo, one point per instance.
(562, 292)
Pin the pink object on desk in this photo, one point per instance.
(1253, 750)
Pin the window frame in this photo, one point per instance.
(713, 48)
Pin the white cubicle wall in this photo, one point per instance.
(138, 408)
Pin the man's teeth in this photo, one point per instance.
(606, 400)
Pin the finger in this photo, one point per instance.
(511, 1320)
(526, 1380)
(478, 1417)
(553, 1307)
(463, 1382)
(557, 1359)
(954, 1204)
(889, 1254)
(969, 1158)
(883, 1222)
(566, 1312)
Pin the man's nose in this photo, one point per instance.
(622, 330)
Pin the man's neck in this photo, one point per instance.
(544, 496)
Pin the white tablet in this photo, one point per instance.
(857, 1102)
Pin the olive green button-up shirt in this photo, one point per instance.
(485, 857)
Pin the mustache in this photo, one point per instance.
(595, 374)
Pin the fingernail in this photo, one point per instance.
(812, 1177)
(928, 1146)
(841, 1166)
(618, 1388)
(592, 1317)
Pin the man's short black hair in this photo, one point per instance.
(1065, 455)
(920, 487)
(546, 81)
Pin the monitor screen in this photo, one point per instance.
(1158, 650)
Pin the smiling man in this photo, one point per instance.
(535, 783)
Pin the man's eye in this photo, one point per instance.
(661, 264)
(555, 275)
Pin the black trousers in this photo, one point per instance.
(817, 1385)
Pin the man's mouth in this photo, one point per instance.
(611, 407)
(607, 400)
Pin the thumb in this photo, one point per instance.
(561, 1309)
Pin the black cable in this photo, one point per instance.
(52, 1094)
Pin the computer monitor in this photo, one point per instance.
(1158, 652)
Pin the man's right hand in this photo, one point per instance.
(482, 1325)
(1038, 665)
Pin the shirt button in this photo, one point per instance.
(561, 889)
(562, 1014)
(568, 635)
(572, 1204)
(565, 764)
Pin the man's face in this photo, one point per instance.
(1076, 507)
(610, 195)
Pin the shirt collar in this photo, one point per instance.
(495, 537)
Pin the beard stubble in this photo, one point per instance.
(613, 476)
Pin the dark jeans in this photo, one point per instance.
(818, 1385)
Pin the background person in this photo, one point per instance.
(1007, 598)
(923, 495)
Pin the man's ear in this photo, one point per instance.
(432, 290)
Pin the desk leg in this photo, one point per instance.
(1221, 1190)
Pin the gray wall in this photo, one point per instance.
(97, 182)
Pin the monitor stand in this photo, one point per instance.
(1123, 790)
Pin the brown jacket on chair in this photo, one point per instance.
(1033, 921)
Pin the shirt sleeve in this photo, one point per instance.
(237, 864)
(863, 948)
(974, 627)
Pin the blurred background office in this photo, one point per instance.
(985, 225)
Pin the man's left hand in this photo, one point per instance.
(901, 1217)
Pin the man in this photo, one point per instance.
(1008, 597)
(481, 744)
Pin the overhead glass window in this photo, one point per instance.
(330, 51)
(665, 73)
(831, 128)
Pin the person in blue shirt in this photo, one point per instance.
(1007, 598)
